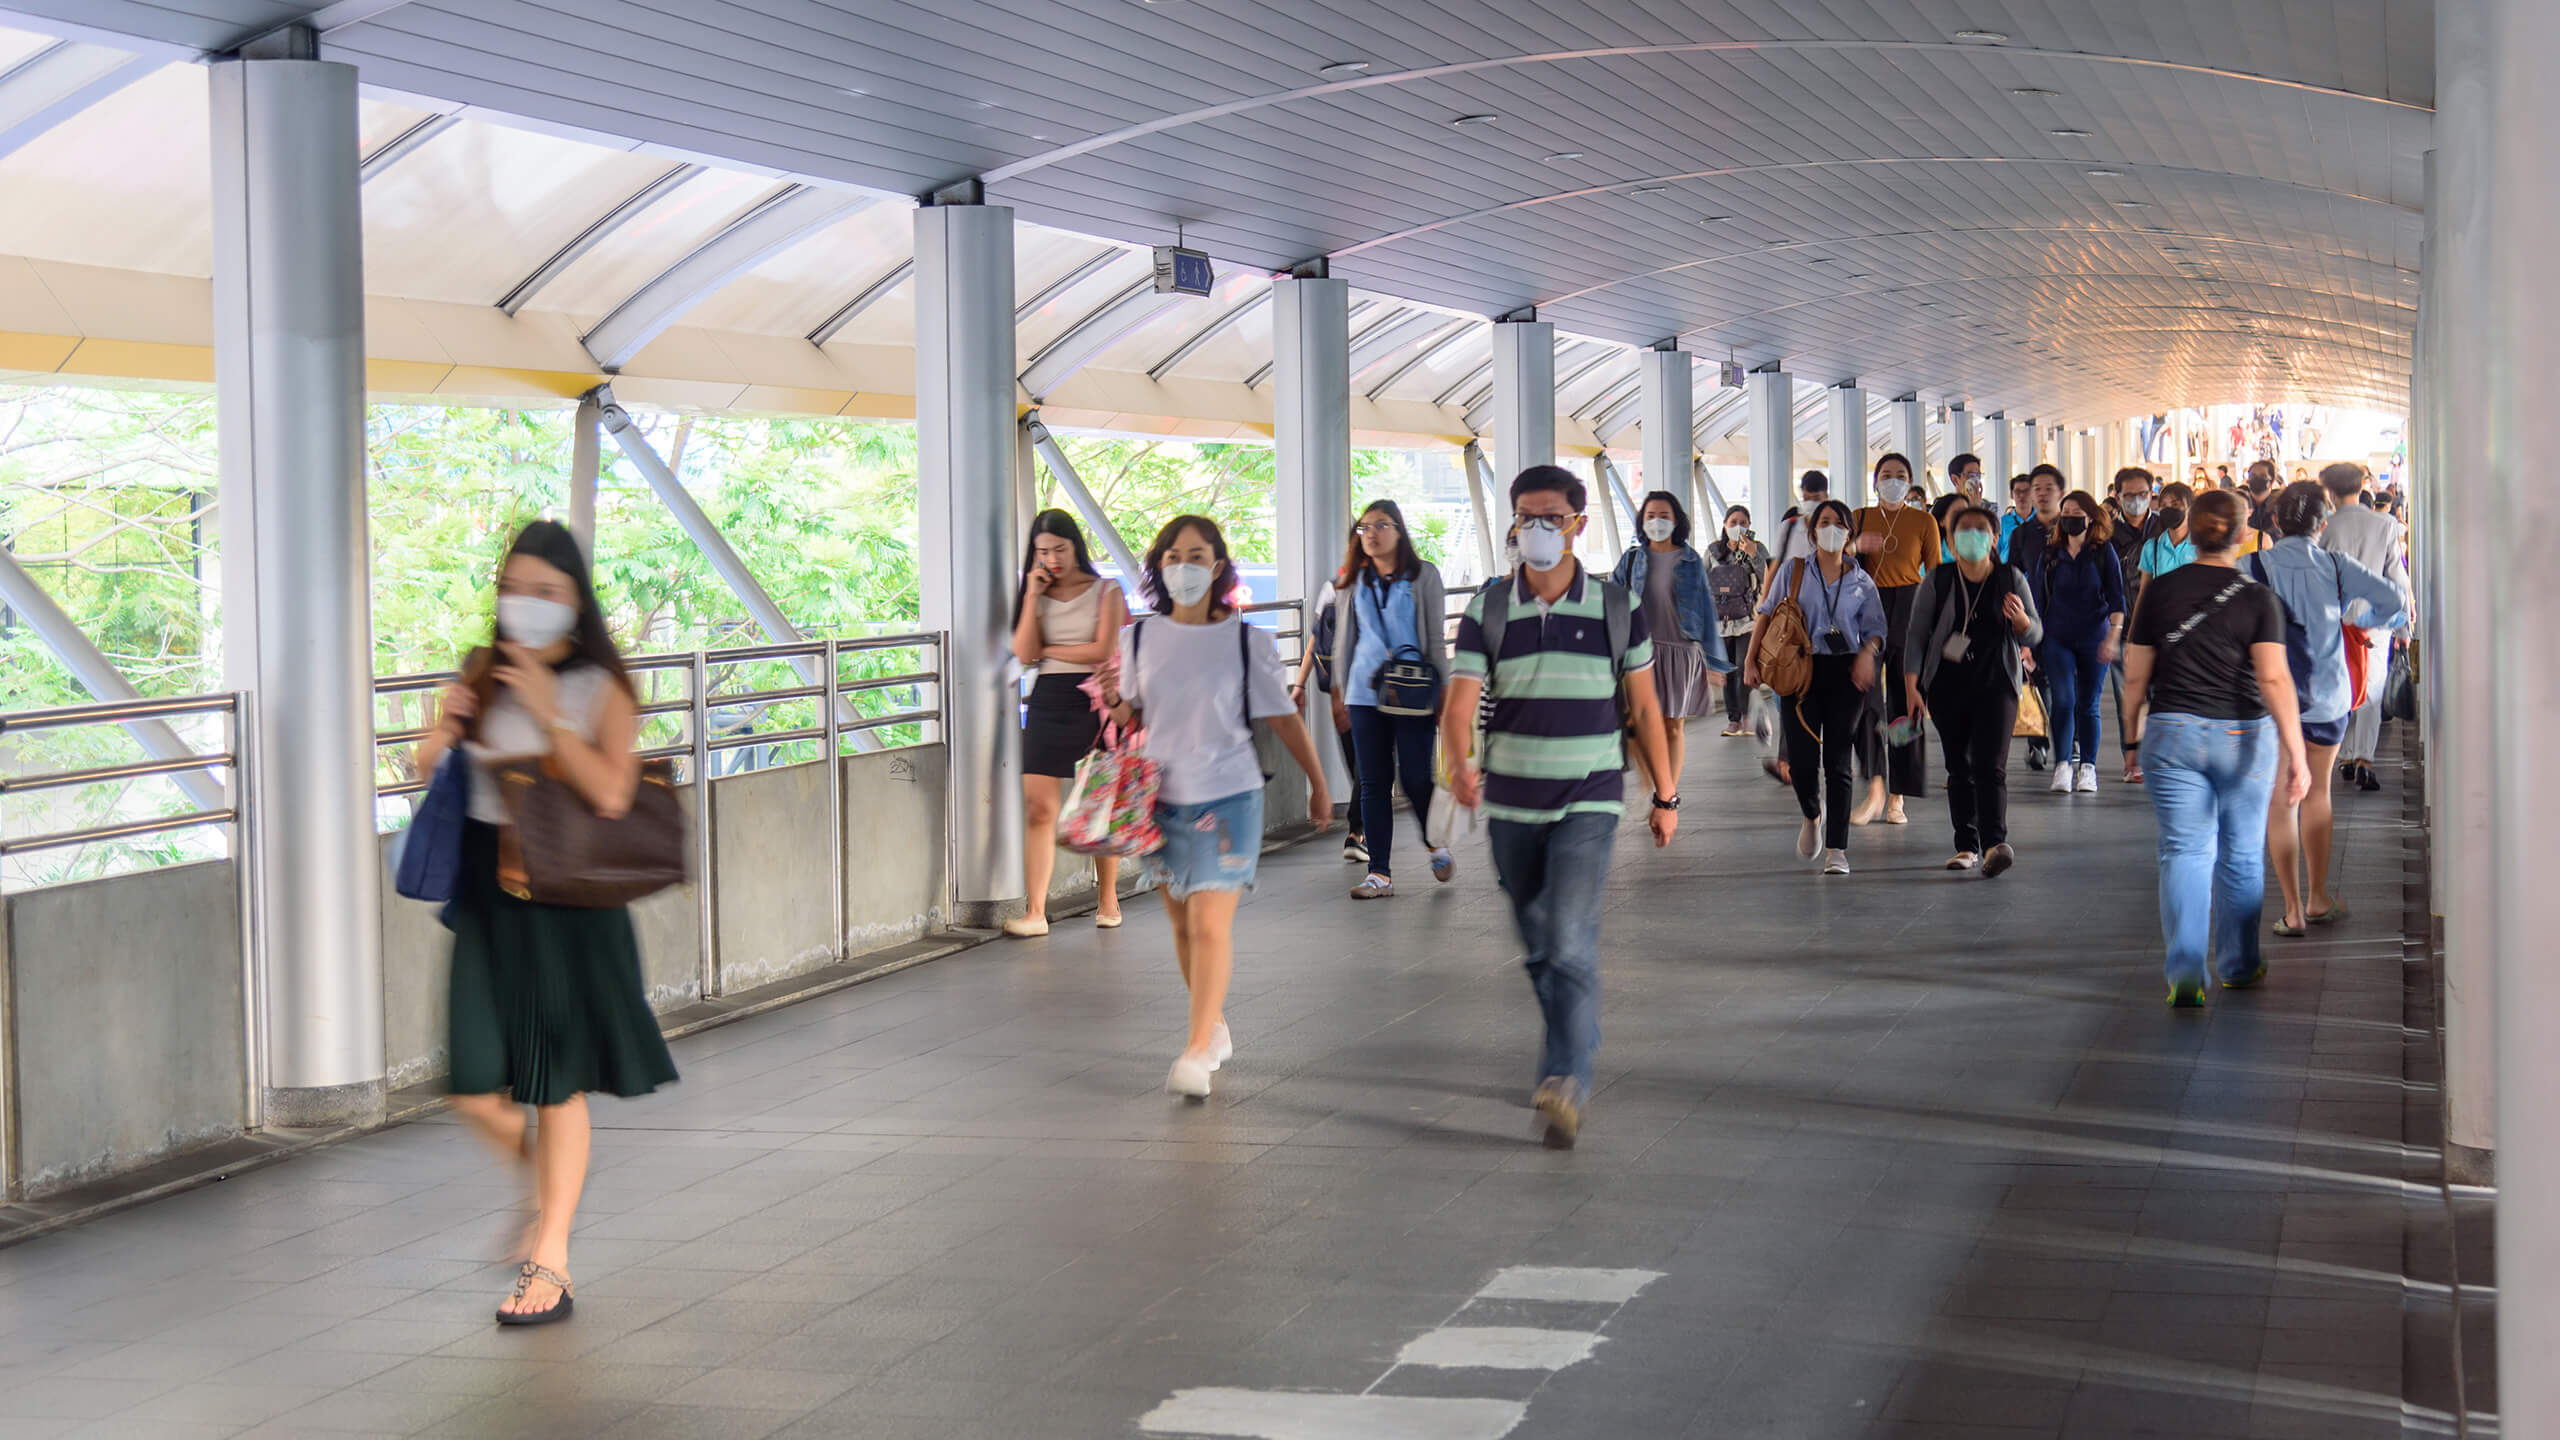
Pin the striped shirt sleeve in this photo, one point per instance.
(1467, 658)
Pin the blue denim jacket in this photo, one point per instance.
(2317, 586)
(1688, 596)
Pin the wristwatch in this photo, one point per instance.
(1661, 804)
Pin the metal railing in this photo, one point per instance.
(706, 737)
(232, 763)
(1290, 635)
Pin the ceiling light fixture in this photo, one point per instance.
(1982, 37)
(2103, 174)
(1344, 69)
(2132, 204)
(1474, 120)
(1562, 156)
(1652, 189)
(2068, 133)
(1713, 219)
(2035, 92)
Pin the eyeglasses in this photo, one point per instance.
(1545, 522)
(1374, 527)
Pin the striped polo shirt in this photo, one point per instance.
(1552, 748)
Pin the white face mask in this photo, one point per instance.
(533, 622)
(1188, 584)
(1657, 529)
(1891, 491)
(1832, 538)
(1541, 548)
(2135, 505)
(1737, 531)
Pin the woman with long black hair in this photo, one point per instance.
(1066, 625)
(1388, 606)
(546, 1002)
(1737, 568)
(1844, 618)
(1197, 676)
(1669, 578)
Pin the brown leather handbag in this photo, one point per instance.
(558, 851)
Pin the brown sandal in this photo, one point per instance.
(559, 1310)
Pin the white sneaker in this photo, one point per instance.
(1809, 840)
(2088, 778)
(1222, 1047)
(1189, 1078)
(2062, 777)
(1835, 862)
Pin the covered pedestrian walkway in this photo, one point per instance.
(1912, 1155)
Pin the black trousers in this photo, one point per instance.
(1905, 767)
(1737, 698)
(1974, 720)
(1821, 729)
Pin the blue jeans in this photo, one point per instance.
(2209, 781)
(2078, 682)
(1389, 746)
(1554, 874)
(1214, 845)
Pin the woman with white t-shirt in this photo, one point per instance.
(1194, 676)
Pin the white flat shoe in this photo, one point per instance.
(1108, 922)
(1964, 860)
(1024, 927)
(1222, 1048)
(1188, 1079)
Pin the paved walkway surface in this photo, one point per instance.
(1907, 1154)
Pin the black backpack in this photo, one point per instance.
(1729, 586)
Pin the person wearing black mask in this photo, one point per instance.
(2026, 551)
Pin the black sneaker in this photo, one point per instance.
(2366, 779)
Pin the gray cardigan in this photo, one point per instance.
(1924, 642)
(1430, 622)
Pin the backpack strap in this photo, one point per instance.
(1496, 617)
(1244, 673)
(1619, 613)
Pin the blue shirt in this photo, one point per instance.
(1380, 630)
(1853, 605)
(2160, 555)
(2317, 588)
(2009, 520)
(2076, 594)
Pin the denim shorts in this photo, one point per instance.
(1214, 845)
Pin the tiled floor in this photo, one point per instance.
(1915, 1154)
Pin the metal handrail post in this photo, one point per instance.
(244, 877)
(835, 806)
(705, 853)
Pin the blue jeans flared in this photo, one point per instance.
(1554, 874)
(2209, 780)
(2078, 682)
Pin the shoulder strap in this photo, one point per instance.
(1497, 615)
(1797, 594)
(1244, 672)
(1620, 617)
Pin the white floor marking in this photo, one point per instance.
(1541, 1282)
(1499, 1347)
(1294, 1415)
(1307, 1415)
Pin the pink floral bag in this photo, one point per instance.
(1111, 807)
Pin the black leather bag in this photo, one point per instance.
(1408, 684)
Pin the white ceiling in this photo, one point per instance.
(1896, 211)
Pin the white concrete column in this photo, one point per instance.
(297, 614)
(1666, 419)
(1769, 423)
(1996, 466)
(2523, 370)
(1910, 432)
(2425, 486)
(1311, 410)
(1524, 398)
(965, 439)
(2469, 655)
(1846, 452)
(1959, 436)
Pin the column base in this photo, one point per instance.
(2464, 1165)
(327, 1107)
(986, 914)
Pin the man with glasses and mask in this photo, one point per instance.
(1569, 664)
(1795, 536)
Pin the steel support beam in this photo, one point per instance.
(594, 235)
(1209, 332)
(98, 675)
(1710, 495)
(1845, 447)
(1473, 462)
(965, 436)
(585, 463)
(1081, 500)
(1602, 556)
(1771, 424)
(1093, 265)
(1524, 395)
(1458, 330)
(783, 220)
(400, 147)
(289, 368)
(58, 82)
(1616, 482)
(1311, 431)
(870, 295)
(1126, 312)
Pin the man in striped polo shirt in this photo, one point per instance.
(1565, 691)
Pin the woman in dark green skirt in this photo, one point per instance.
(547, 1002)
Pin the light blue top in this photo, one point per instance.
(1853, 604)
(1383, 630)
(2321, 591)
(2160, 555)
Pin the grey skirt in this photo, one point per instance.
(1680, 678)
